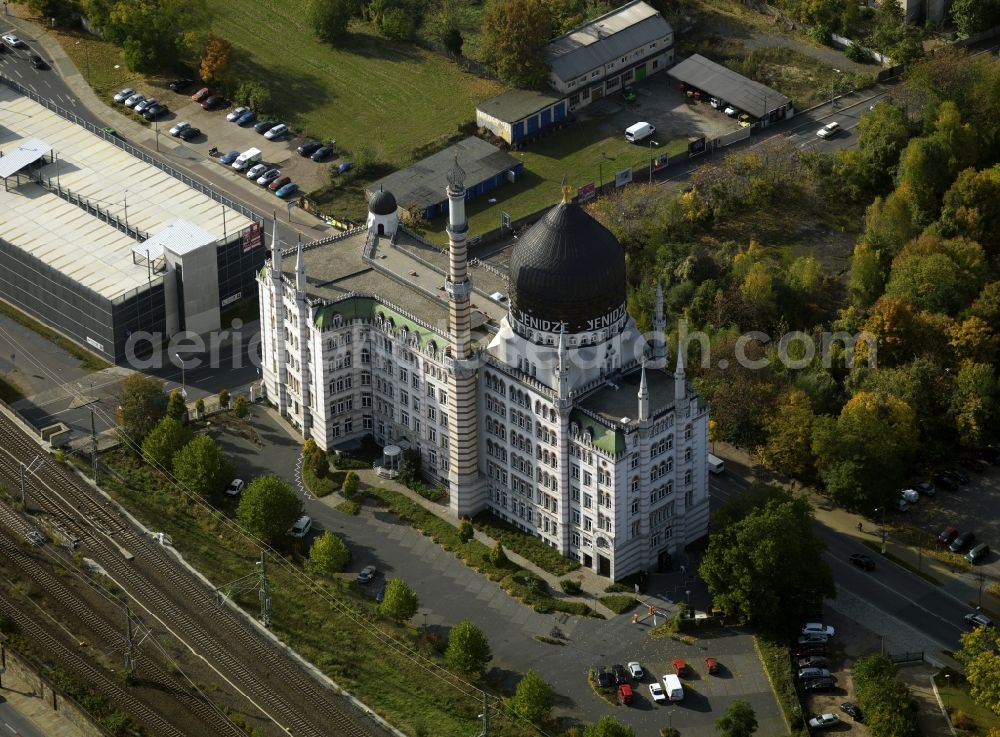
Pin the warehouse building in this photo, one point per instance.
(417, 187)
(517, 115)
(101, 245)
(759, 101)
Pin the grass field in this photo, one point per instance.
(957, 700)
(9, 391)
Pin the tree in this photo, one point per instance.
(887, 703)
(608, 727)
(924, 176)
(201, 467)
(321, 465)
(443, 23)
(328, 554)
(350, 485)
(892, 322)
(514, 35)
(216, 60)
(142, 404)
(987, 304)
(241, 407)
(498, 556)
(254, 94)
(329, 18)
(889, 223)
(980, 654)
(468, 648)
(465, 530)
(176, 406)
(973, 16)
(164, 441)
(268, 508)
(739, 720)
(399, 602)
(788, 429)
(971, 208)
(224, 396)
(151, 34)
(867, 280)
(742, 557)
(532, 698)
(974, 401)
(973, 340)
(199, 408)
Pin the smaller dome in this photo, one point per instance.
(382, 203)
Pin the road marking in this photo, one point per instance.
(10, 727)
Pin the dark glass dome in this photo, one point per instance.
(567, 268)
(382, 203)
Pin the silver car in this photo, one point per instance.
(177, 129)
(146, 104)
(123, 95)
(134, 99)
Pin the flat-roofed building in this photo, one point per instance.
(101, 245)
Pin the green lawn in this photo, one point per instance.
(9, 391)
(582, 153)
(955, 695)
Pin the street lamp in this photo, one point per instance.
(688, 592)
(881, 526)
(600, 170)
(651, 144)
(183, 375)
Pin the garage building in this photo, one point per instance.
(517, 115)
(757, 100)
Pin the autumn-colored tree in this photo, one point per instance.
(971, 208)
(893, 324)
(867, 279)
(980, 654)
(788, 429)
(217, 60)
(937, 275)
(889, 223)
(987, 304)
(974, 401)
(514, 35)
(973, 340)
(925, 173)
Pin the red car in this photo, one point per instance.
(805, 651)
(278, 183)
(680, 667)
(203, 94)
(947, 535)
(712, 666)
(625, 696)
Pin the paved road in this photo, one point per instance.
(14, 724)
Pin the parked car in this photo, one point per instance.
(947, 535)
(900, 505)
(278, 183)
(807, 650)
(815, 661)
(229, 157)
(656, 692)
(862, 561)
(134, 99)
(819, 684)
(179, 127)
(636, 670)
(979, 620)
(712, 666)
(680, 667)
(367, 574)
(233, 114)
(628, 94)
(620, 674)
(269, 176)
(321, 154)
(977, 553)
(203, 94)
(309, 148)
(264, 126)
(853, 710)
(926, 488)
(823, 721)
(13, 41)
(961, 542)
(124, 94)
(380, 594)
(179, 85)
(957, 474)
(813, 638)
(744, 120)
(910, 495)
(157, 111)
(817, 628)
(213, 102)
(287, 190)
(37, 62)
(828, 130)
(625, 695)
(716, 103)
(731, 111)
(276, 132)
(256, 170)
(344, 166)
(604, 678)
(246, 118)
(235, 487)
(145, 104)
(808, 674)
(946, 482)
(188, 133)
(301, 527)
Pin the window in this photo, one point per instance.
(404, 418)
(366, 399)
(574, 539)
(442, 396)
(588, 501)
(576, 517)
(366, 422)
(404, 398)
(366, 379)
(348, 425)
(687, 477)
(687, 455)
(575, 493)
(636, 529)
(587, 478)
(635, 506)
(588, 524)
(404, 375)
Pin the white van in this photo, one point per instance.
(638, 132)
(715, 464)
(247, 159)
(672, 685)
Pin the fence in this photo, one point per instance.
(906, 657)
(137, 152)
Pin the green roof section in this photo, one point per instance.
(366, 308)
(605, 438)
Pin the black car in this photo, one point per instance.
(322, 153)
(620, 674)
(604, 679)
(179, 85)
(957, 474)
(157, 111)
(818, 684)
(961, 542)
(925, 488)
(37, 62)
(264, 126)
(853, 709)
(189, 133)
(805, 651)
(862, 561)
(213, 103)
(814, 661)
(946, 482)
(309, 148)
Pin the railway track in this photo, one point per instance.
(251, 663)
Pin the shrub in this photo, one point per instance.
(618, 603)
(199, 407)
(224, 396)
(497, 555)
(859, 54)
(241, 407)
(465, 530)
(350, 486)
(961, 720)
(570, 586)
(821, 34)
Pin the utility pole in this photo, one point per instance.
(485, 715)
(93, 449)
(25, 469)
(130, 665)
(265, 592)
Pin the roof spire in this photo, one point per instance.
(680, 383)
(643, 395)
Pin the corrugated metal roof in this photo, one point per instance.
(180, 237)
(605, 39)
(741, 92)
(514, 105)
(68, 238)
(27, 152)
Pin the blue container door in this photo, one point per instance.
(518, 131)
(546, 117)
(532, 124)
(559, 111)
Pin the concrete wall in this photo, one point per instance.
(199, 273)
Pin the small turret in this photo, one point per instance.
(643, 396)
(680, 383)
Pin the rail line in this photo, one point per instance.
(250, 662)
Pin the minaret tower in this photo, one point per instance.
(643, 396)
(467, 496)
(278, 298)
(680, 383)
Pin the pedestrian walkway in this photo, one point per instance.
(21, 696)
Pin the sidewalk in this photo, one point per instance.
(23, 698)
